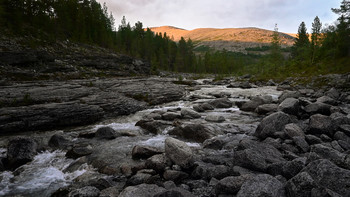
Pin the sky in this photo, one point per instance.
(192, 14)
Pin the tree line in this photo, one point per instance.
(87, 21)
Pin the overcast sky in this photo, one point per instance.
(191, 14)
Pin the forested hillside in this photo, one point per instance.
(87, 21)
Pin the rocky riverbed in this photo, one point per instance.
(150, 137)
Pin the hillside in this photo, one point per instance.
(232, 39)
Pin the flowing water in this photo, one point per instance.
(46, 173)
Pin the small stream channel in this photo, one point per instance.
(46, 173)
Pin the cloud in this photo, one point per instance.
(190, 14)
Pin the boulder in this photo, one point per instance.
(189, 113)
(153, 126)
(207, 171)
(320, 124)
(179, 152)
(174, 175)
(318, 108)
(87, 191)
(255, 102)
(106, 133)
(20, 150)
(59, 141)
(290, 106)
(171, 116)
(262, 185)
(231, 184)
(144, 152)
(221, 103)
(293, 130)
(287, 169)
(214, 118)
(196, 132)
(143, 190)
(272, 124)
(333, 93)
(325, 152)
(158, 162)
(320, 174)
(79, 150)
(289, 94)
(327, 100)
(266, 108)
(175, 192)
(301, 143)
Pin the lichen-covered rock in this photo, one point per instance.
(272, 124)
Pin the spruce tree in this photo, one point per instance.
(301, 44)
(315, 38)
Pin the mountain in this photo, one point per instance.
(232, 39)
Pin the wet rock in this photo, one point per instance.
(144, 152)
(106, 133)
(171, 116)
(158, 162)
(293, 130)
(214, 118)
(153, 126)
(289, 94)
(59, 141)
(290, 106)
(196, 132)
(79, 150)
(301, 144)
(266, 108)
(221, 103)
(272, 124)
(87, 191)
(318, 108)
(320, 124)
(20, 150)
(189, 113)
(262, 185)
(231, 184)
(142, 190)
(179, 152)
(174, 175)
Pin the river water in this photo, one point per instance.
(46, 173)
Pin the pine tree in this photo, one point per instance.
(276, 56)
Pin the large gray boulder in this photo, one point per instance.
(320, 174)
(20, 150)
(179, 152)
(293, 130)
(266, 108)
(318, 108)
(289, 94)
(320, 124)
(88, 191)
(290, 106)
(272, 124)
(231, 184)
(341, 159)
(262, 185)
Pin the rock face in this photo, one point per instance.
(52, 105)
(272, 124)
(20, 151)
(179, 152)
